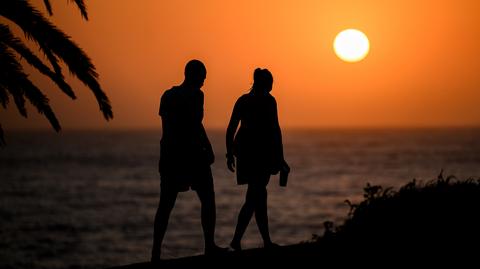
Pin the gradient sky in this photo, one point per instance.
(422, 69)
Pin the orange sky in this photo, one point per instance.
(421, 71)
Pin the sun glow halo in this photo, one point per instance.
(351, 45)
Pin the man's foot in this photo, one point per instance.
(236, 246)
(156, 253)
(215, 250)
(155, 260)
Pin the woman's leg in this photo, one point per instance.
(244, 217)
(261, 213)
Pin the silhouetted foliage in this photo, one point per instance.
(439, 215)
(55, 46)
(2, 140)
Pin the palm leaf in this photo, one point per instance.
(14, 90)
(11, 71)
(83, 8)
(52, 58)
(48, 6)
(10, 40)
(52, 39)
(40, 102)
(80, 4)
(2, 140)
(48, 53)
(19, 100)
(3, 97)
(20, 87)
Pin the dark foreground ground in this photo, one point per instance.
(244, 259)
(430, 223)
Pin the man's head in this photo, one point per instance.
(195, 73)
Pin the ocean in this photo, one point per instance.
(87, 199)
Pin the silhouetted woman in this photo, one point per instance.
(258, 149)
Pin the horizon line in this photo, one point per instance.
(293, 128)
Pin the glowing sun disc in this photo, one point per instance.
(351, 45)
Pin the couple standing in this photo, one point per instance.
(186, 154)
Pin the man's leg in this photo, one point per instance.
(208, 216)
(165, 206)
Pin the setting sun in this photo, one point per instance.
(351, 45)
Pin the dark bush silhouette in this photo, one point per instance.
(441, 215)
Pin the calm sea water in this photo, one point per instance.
(88, 199)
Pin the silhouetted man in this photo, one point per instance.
(185, 156)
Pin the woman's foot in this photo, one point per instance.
(236, 246)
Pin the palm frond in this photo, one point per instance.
(2, 137)
(19, 99)
(11, 71)
(40, 102)
(26, 16)
(7, 37)
(51, 58)
(48, 6)
(55, 41)
(83, 8)
(20, 87)
(3, 96)
(80, 4)
(15, 91)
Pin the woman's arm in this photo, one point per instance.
(277, 132)
(278, 139)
